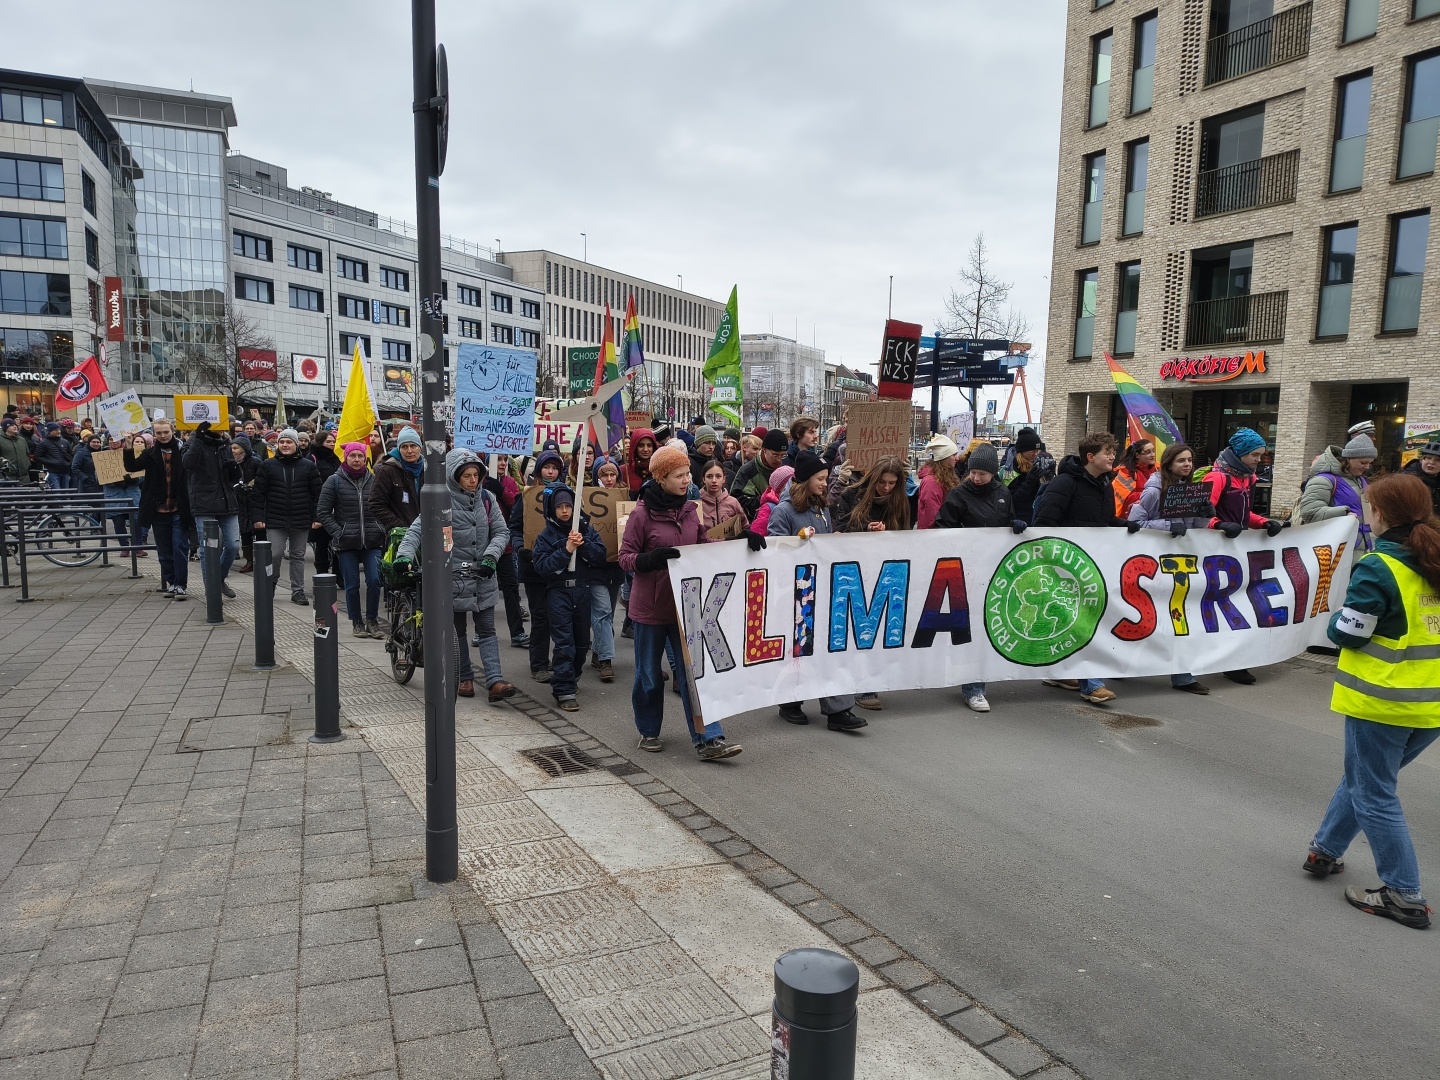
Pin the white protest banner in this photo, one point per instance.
(850, 613)
(545, 428)
(494, 399)
(122, 414)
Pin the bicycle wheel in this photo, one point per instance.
(402, 633)
(70, 539)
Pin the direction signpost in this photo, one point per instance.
(954, 361)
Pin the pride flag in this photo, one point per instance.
(607, 369)
(1147, 419)
(634, 350)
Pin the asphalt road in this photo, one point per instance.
(1128, 892)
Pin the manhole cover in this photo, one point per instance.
(1117, 721)
(234, 732)
(560, 760)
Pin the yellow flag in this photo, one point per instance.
(357, 415)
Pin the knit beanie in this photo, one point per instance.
(351, 447)
(807, 464)
(775, 441)
(705, 433)
(666, 460)
(759, 432)
(408, 437)
(1026, 440)
(1359, 447)
(291, 434)
(1245, 441)
(984, 458)
(781, 476)
(940, 447)
(731, 433)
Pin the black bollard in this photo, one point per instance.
(264, 608)
(133, 523)
(214, 602)
(327, 661)
(813, 1020)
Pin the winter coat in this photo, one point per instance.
(550, 559)
(395, 495)
(716, 509)
(931, 496)
(212, 475)
(651, 601)
(1075, 497)
(83, 469)
(750, 484)
(971, 507)
(15, 449)
(1231, 490)
(1330, 492)
(632, 475)
(1128, 486)
(344, 513)
(326, 461)
(477, 530)
(247, 468)
(55, 454)
(507, 492)
(152, 491)
(761, 523)
(785, 520)
(1432, 481)
(286, 491)
(1146, 509)
(1024, 490)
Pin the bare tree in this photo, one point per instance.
(217, 366)
(981, 308)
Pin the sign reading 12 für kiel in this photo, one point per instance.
(861, 612)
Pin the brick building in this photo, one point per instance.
(1249, 189)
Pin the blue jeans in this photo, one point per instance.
(489, 646)
(1366, 800)
(56, 482)
(172, 546)
(229, 541)
(970, 689)
(568, 610)
(648, 695)
(349, 563)
(1184, 678)
(1089, 686)
(602, 622)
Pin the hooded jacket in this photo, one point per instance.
(1146, 509)
(153, 463)
(1330, 492)
(517, 518)
(785, 520)
(648, 528)
(751, 482)
(1075, 497)
(633, 476)
(715, 509)
(83, 469)
(1430, 480)
(1231, 488)
(478, 531)
(246, 482)
(16, 450)
(550, 558)
(395, 494)
(969, 507)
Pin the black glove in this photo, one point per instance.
(755, 541)
(654, 560)
(487, 567)
(1230, 528)
(1177, 528)
(1132, 527)
(1273, 527)
(1017, 526)
(203, 427)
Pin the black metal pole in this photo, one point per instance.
(132, 523)
(4, 552)
(327, 661)
(264, 608)
(442, 836)
(935, 398)
(814, 1021)
(24, 597)
(210, 564)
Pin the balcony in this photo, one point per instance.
(1266, 181)
(1253, 319)
(1279, 39)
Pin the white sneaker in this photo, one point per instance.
(179, 593)
(977, 703)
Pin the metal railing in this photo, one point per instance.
(1282, 37)
(1265, 181)
(66, 528)
(1251, 319)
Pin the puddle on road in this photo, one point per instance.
(1117, 721)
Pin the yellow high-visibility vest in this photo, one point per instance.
(1396, 680)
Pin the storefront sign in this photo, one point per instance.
(307, 369)
(28, 376)
(1213, 369)
(114, 310)
(259, 365)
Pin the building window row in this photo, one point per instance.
(394, 352)
(353, 307)
(392, 278)
(467, 295)
(351, 269)
(394, 315)
(591, 288)
(87, 193)
(349, 341)
(529, 309)
(251, 246)
(32, 178)
(304, 258)
(92, 250)
(502, 303)
(256, 290)
(33, 237)
(28, 107)
(304, 299)
(471, 328)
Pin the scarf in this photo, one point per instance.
(1230, 461)
(416, 470)
(354, 474)
(657, 499)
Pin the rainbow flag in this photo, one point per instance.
(607, 369)
(634, 350)
(1147, 419)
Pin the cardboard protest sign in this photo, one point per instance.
(727, 529)
(600, 504)
(494, 399)
(1186, 500)
(562, 432)
(110, 466)
(876, 429)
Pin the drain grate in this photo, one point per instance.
(560, 760)
(1117, 721)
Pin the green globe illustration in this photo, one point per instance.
(1044, 602)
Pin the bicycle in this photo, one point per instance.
(68, 531)
(404, 640)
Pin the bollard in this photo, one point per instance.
(813, 1020)
(264, 607)
(214, 602)
(132, 522)
(327, 661)
(4, 552)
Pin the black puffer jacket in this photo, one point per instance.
(969, 507)
(212, 475)
(345, 514)
(286, 492)
(83, 470)
(1429, 480)
(55, 454)
(1075, 497)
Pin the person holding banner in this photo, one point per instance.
(1131, 475)
(717, 505)
(663, 521)
(803, 514)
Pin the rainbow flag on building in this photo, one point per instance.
(1148, 420)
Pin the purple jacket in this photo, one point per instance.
(651, 601)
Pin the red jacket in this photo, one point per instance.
(1230, 495)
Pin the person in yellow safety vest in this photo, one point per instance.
(1388, 688)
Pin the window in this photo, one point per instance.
(530, 309)
(349, 341)
(1336, 280)
(32, 178)
(1361, 19)
(394, 352)
(395, 279)
(1422, 118)
(1142, 78)
(1137, 168)
(1221, 273)
(33, 237)
(1425, 8)
(353, 307)
(256, 289)
(501, 335)
(353, 269)
(471, 328)
(468, 295)
(304, 299)
(1409, 234)
(28, 107)
(1352, 125)
(1127, 309)
(394, 315)
(527, 339)
(548, 280)
(304, 258)
(92, 250)
(1232, 137)
(87, 193)
(34, 294)
(1094, 193)
(1086, 297)
(1101, 47)
(501, 302)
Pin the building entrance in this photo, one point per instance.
(1383, 404)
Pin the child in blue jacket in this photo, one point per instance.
(567, 593)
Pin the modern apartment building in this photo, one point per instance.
(1243, 220)
(783, 379)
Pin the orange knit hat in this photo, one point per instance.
(668, 459)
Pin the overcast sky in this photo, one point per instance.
(805, 150)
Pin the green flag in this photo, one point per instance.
(722, 367)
